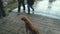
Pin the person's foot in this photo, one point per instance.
(28, 13)
(33, 11)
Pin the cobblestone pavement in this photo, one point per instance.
(13, 24)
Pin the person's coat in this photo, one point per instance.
(20, 0)
(30, 2)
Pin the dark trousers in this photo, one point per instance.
(30, 6)
(2, 13)
(19, 6)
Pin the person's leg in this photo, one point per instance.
(23, 5)
(3, 14)
(0, 12)
(50, 5)
(32, 8)
(28, 9)
(19, 7)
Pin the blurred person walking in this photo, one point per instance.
(21, 2)
(50, 3)
(2, 11)
(30, 4)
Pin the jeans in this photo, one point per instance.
(19, 6)
(30, 6)
(2, 12)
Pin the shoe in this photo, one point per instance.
(28, 13)
(33, 11)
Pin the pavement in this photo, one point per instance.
(13, 24)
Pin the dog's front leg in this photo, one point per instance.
(26, 28)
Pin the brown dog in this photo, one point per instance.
(29, 26)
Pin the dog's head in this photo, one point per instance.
(24, 18)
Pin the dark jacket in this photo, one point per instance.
(2, 12)
(30, 2)
(20, 0)
(1, 5)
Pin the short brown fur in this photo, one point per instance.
(29, 26)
